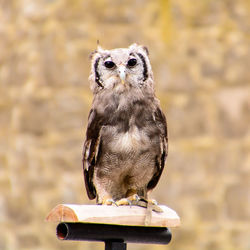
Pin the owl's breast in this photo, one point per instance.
(129, 126)
(133, 140)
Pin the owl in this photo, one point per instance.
(126, 141)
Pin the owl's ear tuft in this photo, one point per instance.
(98, 50)
(145, 49)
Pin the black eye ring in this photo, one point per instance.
(109, 64)
(132, 62)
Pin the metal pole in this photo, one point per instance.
(115, 237)
(113, 245)
(113, 233)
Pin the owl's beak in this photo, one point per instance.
(122, 73)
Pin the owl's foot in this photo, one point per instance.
(135, 200)
(128, 201)
(147, 202)
(152, 201)
(108, 201)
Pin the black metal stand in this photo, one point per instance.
(112, 245)
(114, 236)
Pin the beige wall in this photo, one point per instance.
(201, 60)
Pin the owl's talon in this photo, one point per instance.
(111, 202)
(154, 202)
(124, 202)
(131, 200)
(144, 203)
(135, 197)
(114, 204)
(108, 201)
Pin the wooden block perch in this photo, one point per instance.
(122, 215)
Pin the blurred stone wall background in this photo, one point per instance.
(200, 53)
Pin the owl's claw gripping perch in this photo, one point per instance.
(128, 201)
(108, 201)
(144, 203)
(135, 200)
(124, 202)
(154, 202)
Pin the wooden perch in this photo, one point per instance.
(122, 215)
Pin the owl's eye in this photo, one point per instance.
(109, 64)
(132, 62)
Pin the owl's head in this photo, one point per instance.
(121, 69)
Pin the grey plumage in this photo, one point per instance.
(126, 140)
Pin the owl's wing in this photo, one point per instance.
(161, 123)
(90, 151)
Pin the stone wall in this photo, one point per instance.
(201, 60)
